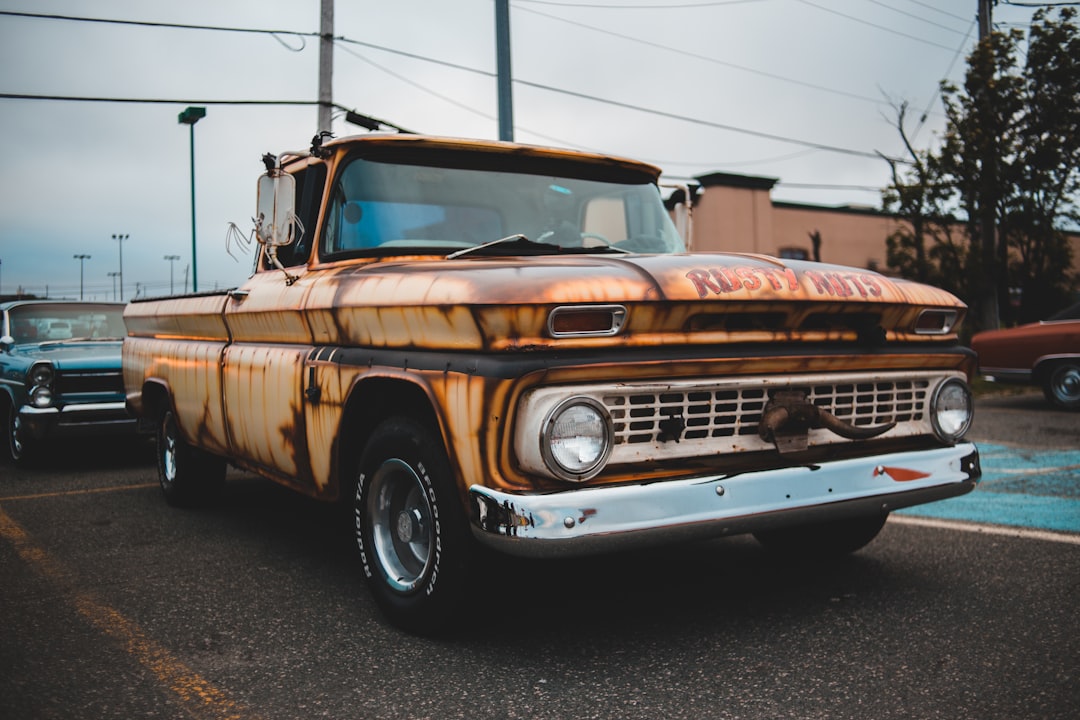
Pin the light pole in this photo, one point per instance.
(171, 259)
(81, 259)
(114, 275)
(189, 117)
(120, 239)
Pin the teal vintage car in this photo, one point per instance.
(60, 373)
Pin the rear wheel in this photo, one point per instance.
(823, 540)
(189, 476)
(1062, 385)
(410, 530)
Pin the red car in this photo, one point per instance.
(1045, 353)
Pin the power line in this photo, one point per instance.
(674, 6)
(706, 123)
(548, 88)
(152, 101)
(914, 16)
(146, 23)
(936, 9)
(875, 25)
(705, 58)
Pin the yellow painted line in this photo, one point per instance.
(1003, 530)
(200, 697)
(90, 491)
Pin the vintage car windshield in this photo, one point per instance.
(59, 322)
(381, 206)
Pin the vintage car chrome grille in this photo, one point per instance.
(712, 412)
(90, 382)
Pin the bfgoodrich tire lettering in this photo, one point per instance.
(410, 530)
(188, 476)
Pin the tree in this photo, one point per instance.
(1009, 167)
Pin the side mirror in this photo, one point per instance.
(6, 343)
(680, 205)
(275, 219)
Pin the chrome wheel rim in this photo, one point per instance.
(401, 525)
(14, 429)
(168, 450)
(1065, 383)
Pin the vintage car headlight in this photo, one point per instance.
(576, 441)
(951, 410)
(41, 397)
(41, 374)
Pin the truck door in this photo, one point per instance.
(262, 368)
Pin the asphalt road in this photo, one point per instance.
(116, 606)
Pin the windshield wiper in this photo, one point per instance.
(521, 243)
(65, 341)
(517, 241)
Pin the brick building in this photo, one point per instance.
(736, 213)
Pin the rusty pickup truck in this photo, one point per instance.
(473, 343)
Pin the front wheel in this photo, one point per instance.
(20, 447)
(189, 477)
(1062, 385)
(410, 529)
(823, 540)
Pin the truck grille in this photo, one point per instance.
(736, 411)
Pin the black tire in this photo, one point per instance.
(412, 535)
(19, 449)
(822, 540)
(1062, 385)
(189, 477)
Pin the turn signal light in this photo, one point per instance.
(586, 320)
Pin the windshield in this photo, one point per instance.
(67, 321)
(379, 205)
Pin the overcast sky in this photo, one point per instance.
(797, 90)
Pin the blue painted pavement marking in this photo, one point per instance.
(1023, 487)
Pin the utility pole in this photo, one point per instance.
(504, 76)
(326, 64)
(992, 273)
(113, 275)
(171, 259)
(81, 258)
(120, 239)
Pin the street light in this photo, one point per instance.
(189, 117)
(120, 239)
(171, 259)
(81, 259)
(114, 275)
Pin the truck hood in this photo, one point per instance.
(494, 303)
(705, 277)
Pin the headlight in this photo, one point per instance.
(951, 410)
(41, 374)
(577, 439)
(41, 397)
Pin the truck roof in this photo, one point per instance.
(484, 153)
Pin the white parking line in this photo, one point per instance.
(1004, 530)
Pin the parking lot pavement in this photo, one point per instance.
(1021, 487)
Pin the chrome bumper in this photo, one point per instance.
(76, 419)
(603, 519)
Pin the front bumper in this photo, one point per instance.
(612, 518)
(103, 418)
